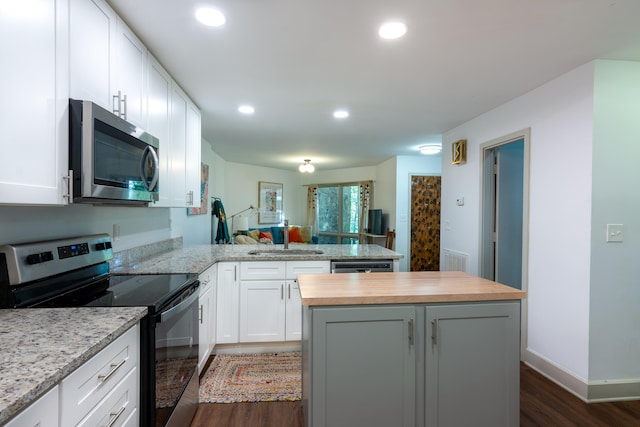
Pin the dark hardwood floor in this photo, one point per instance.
(542, 403)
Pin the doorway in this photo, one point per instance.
(425, 223)
(505, 210)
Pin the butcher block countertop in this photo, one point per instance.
(401, 288)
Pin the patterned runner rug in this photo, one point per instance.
(252, 378)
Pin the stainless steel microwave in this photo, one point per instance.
(111, 160)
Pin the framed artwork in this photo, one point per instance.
(204, 192)
(459, 152)
(269, 202)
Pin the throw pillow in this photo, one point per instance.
(294, 235)
(305, 233)
(254, 234)
(266, 235)
(245, 240)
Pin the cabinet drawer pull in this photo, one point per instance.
(410, 324)
(114, 416)
(114, 367)
(289, 291)
(434, 332)
(281, 291)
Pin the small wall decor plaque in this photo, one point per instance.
(459, 152)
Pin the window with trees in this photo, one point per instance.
(338, 210)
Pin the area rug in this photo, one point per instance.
(265, 377)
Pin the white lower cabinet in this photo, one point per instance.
(42, 413)
(105, 387)
(104, 391)
(206, 316)
(227, 303)
(270, 304)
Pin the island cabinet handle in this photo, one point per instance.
(114, 367)
(410, 324)
(114, 416)
(282, 291)
(434, 331)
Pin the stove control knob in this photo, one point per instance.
(34, 259)
(38, 258)
(103, 246)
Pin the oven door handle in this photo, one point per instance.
(175, 310)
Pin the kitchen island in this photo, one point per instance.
(410, 349)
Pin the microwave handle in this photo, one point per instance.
(156, 166)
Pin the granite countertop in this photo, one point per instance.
(197, 258)
(41, 346)
(401, 288)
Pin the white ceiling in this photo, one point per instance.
(298, 60)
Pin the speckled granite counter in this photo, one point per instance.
(39, 347)
(197, 258)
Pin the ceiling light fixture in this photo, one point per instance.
(210, 17)
(306, 167)
(246, 109)
(341, 114)
(431, 148)
(392, 30)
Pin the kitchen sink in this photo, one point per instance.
(286, 252)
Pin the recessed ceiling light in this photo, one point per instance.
(246, 109)
(392, 30)
(341, 114)
(210, 16)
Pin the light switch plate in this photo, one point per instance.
(615, 233)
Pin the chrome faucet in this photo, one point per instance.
(286, 234)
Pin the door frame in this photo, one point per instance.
(525, 135)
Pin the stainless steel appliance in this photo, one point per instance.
(111, 161)
(74, 272)
(362, 266)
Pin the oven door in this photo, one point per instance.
(176, 360)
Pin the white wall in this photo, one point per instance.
(405, 167)
(614, 349)
(138, 226)
(560, 117)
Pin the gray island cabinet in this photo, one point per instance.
(410, 349)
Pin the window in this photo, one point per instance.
(338, 213)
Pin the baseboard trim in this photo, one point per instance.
(589, 392)
(267, 347)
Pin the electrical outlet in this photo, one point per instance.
(615, 233)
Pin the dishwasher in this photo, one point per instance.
(362, 266)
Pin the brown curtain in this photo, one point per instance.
(366, 195)
(312, 203)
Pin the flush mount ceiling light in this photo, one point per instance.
(431, 148)
(392, 30)
(246, 109)
(210, 17)
(341, 114)
(306, 167)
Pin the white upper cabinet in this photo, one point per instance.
(92, 29)
(158, 123)
(193, 155)
(34, 105)
(108, 62)
(130, 74)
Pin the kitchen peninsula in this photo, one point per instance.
(410, 349)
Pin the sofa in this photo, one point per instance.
(275, 235)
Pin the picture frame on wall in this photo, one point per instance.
(269, 202)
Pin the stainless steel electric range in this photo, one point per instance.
(74, 272)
